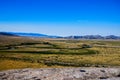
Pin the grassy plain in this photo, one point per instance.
(21, 52)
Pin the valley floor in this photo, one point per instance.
(23, 52)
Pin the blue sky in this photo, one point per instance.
(61, 17)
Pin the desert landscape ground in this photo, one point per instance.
(23, 52)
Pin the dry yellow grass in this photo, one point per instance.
(11, 64)
(58, 53)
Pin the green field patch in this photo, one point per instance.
(61, 51)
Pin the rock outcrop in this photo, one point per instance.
(62, 74)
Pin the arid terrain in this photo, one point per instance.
(62, 74)
(59, 39)
(58, 59)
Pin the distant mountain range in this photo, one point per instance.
(7, 34)
(37, 35)
(93, 37)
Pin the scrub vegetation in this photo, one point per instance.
(21, 52)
